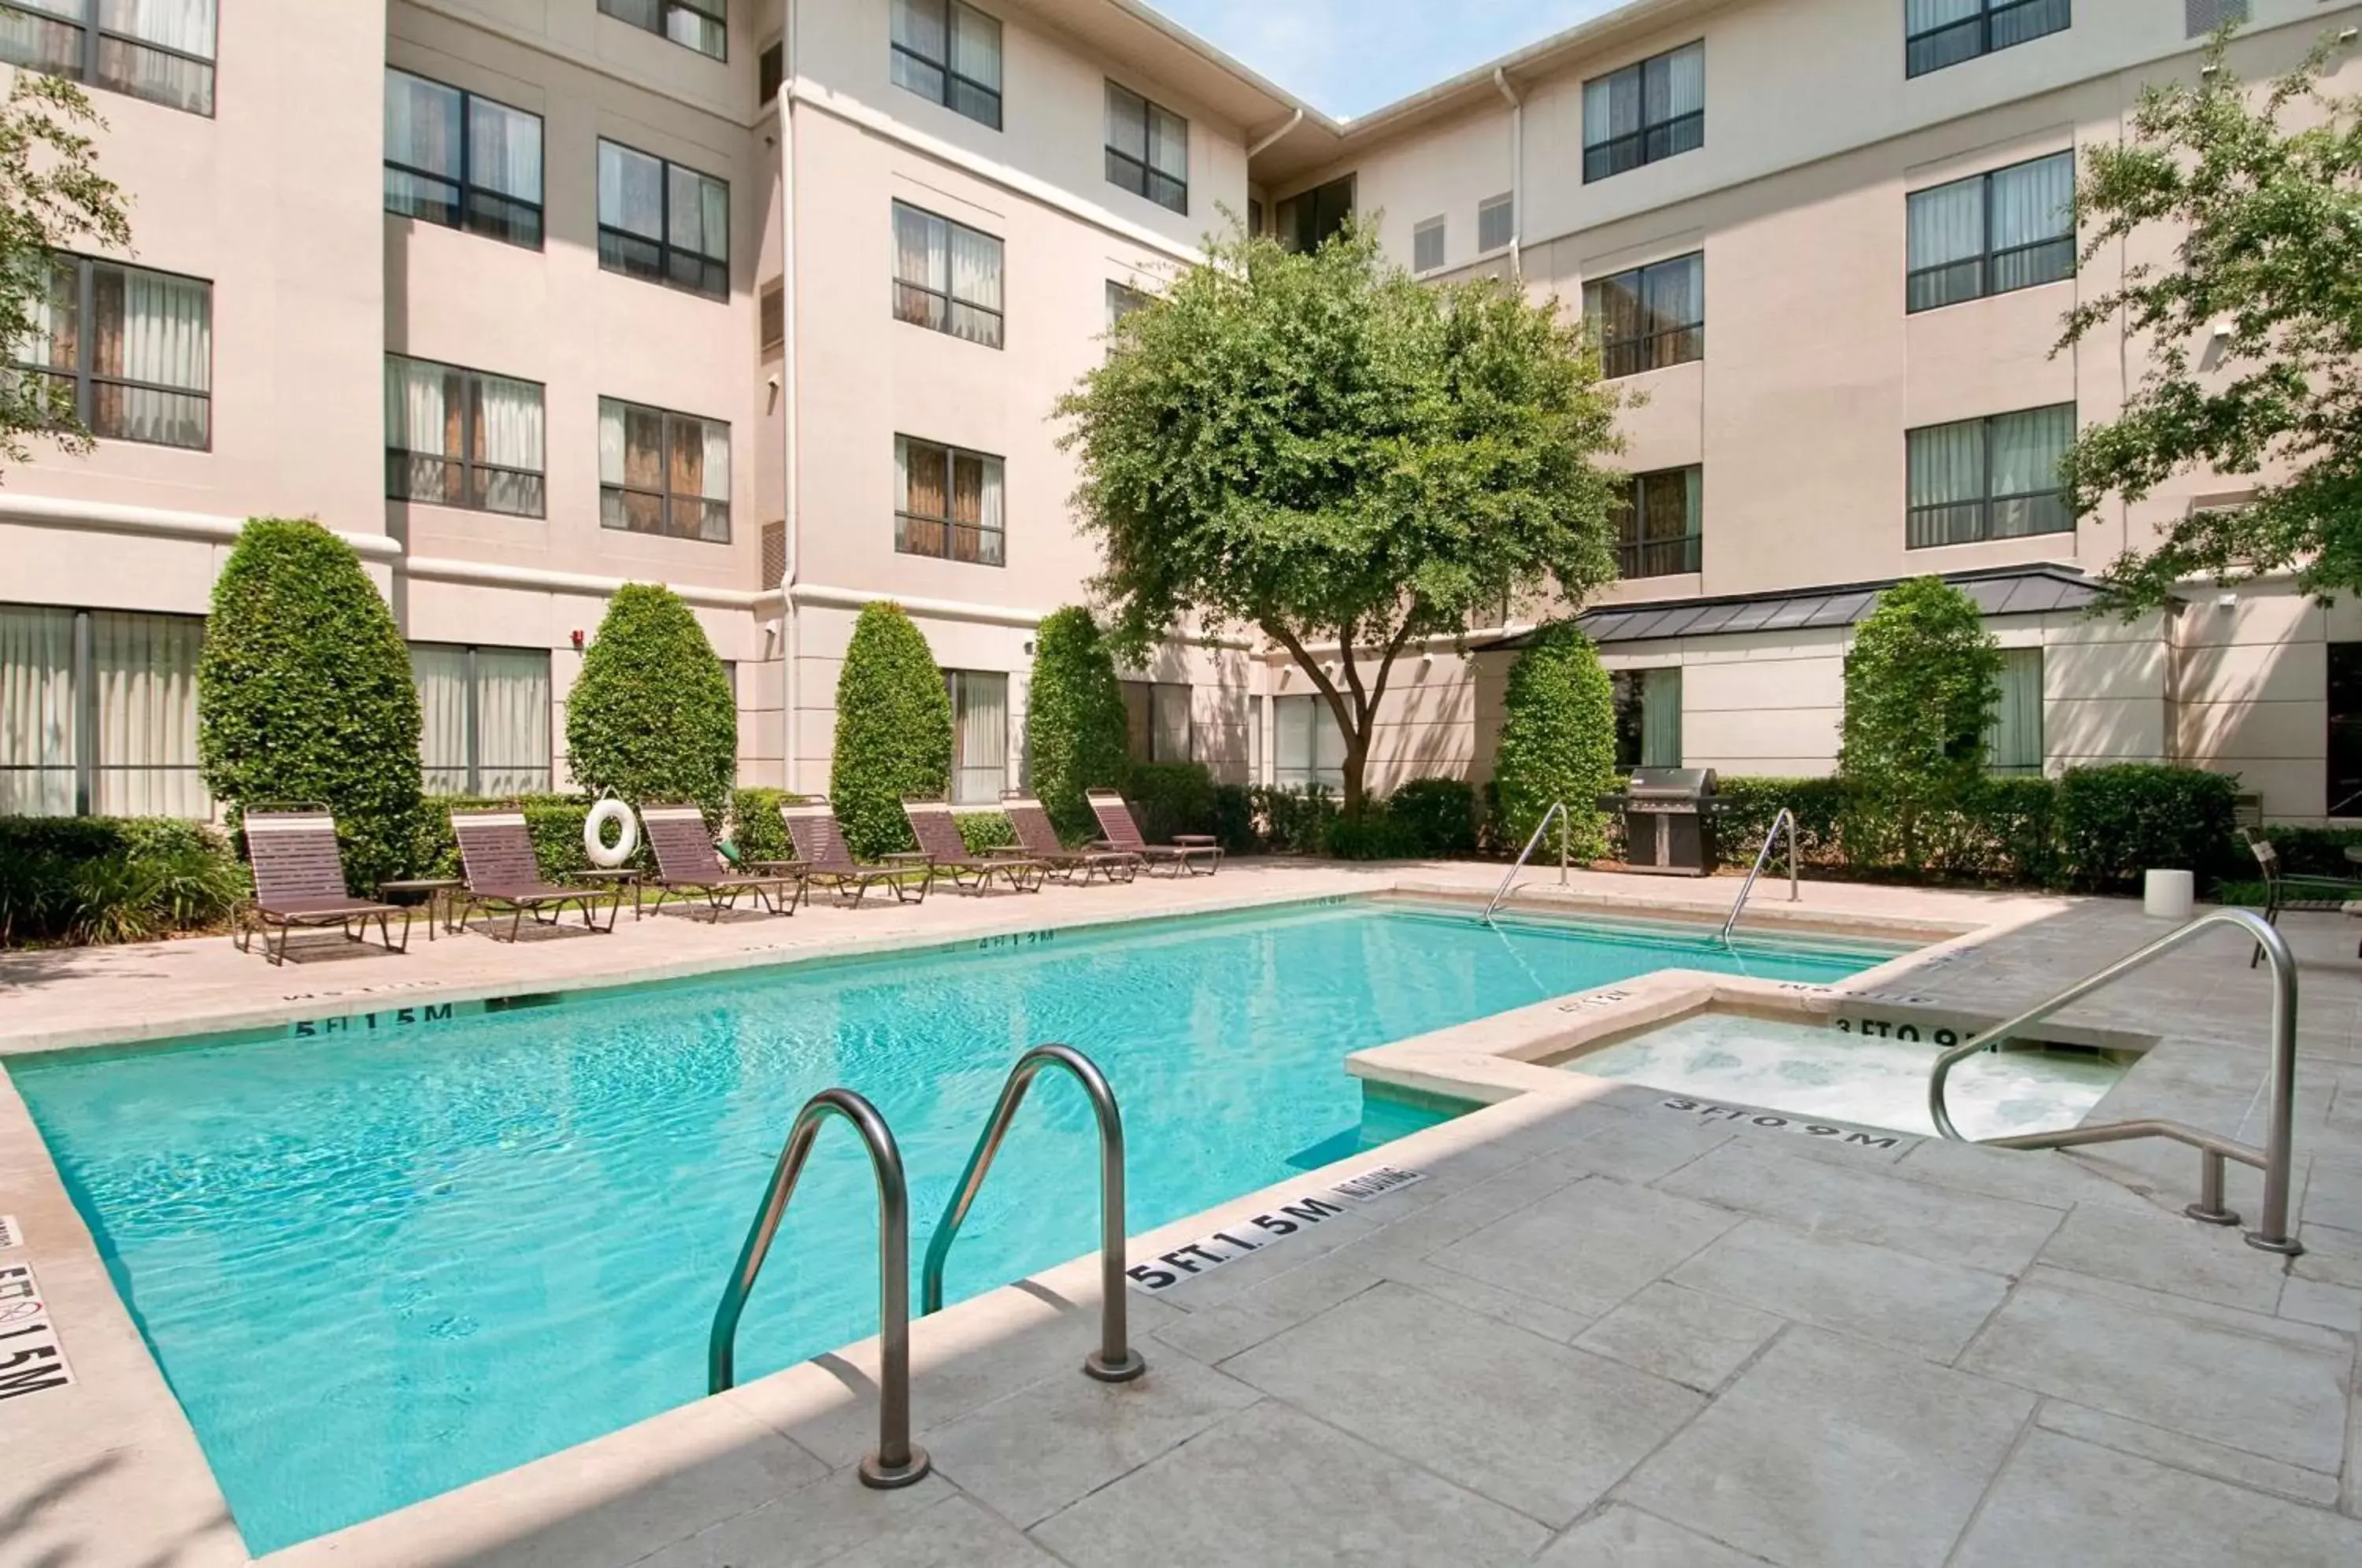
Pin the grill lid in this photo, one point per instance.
(1669, 783)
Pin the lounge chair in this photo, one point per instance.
(502, 876)
(1187, 851)
(820, 850)
(949, 855)
(1037, 838)
(299, 881)
(2297, 891)
(689, 866)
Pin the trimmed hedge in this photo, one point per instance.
(1558, 738)
(893, 731)
(1234, 820)
(1073, 722)
(983, 831)
(1438, 815)
(305, 693)
(1167, 797)
(555, 823)
(2115, 821)
(100, 879)
(651, 716)
(1920, 688)
(758, 831)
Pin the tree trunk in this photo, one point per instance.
(1357, 762)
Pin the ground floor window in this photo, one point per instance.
(1307, 745)
(979, 735)
(2013, 743)
(2345, 729)
(98, 713)
(485, 717)
(1648, 718)
(1254, 741)
(1156, 721)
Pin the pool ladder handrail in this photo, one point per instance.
(896, 1461)
(1763, 858)
(2272, 1233)
(1565, 827)
(1115, 1361)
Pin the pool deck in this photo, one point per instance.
(1599, 1331)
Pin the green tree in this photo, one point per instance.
(53, 199)
(1558, 738)
(1073, 720)
(2269, 220)
(1315, 446)
(893, 730)
(1921, 687)
(304, 694)
(652, 716)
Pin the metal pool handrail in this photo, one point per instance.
(896, 1461)
(1558, 809)
(1115, 1361)
(1763, 858)
(2272, 1234)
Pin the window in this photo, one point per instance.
(1651, 109)
(1650, 318)
(2345, 728)
(2199, 18)
(1254, 742)
(1121, 301)
(1990, 233)
(949, 503)
(663, 473)
(701, 25)
(979, 735)
(1156, 725)
(460, 161)
(457, 438)
(1648, 718)
(950, 54)
(770, 73)
(485, 719)
(98, 713)
(1307, 748)
(1496, 224)
(1937, 33)
(2013, 743)
(130, 351)
(1310, 216)
(1658, 526)
(773, 316)
(161, 50)
(662, 222)
(1427, 246)
(1988, 479)
(946, 276)
(1147, 150)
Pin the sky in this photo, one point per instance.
(1348, 57)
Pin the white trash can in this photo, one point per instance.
(2168, 895)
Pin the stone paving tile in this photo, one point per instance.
(817, 1524)
(1273, 1486)
(1622, 1537)
(1587, 1246)
(1518, 1418)
(1640, 1150)
(2063, 1501)
(1976, 1231)
(1416, 1234)
(1912, 1304)
(1536, 1316)
(2331, 1255)
(1695, 1340)
(1218, 1331)
(956, 1534)
(2270, 1397)
(2333, 1194)
(2052, 1178)
(2335, 1306)
(2174, 1255)
(2291, 1330)
(1829, 1450)
(2186, 1453)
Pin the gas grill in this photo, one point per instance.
(1669, 820)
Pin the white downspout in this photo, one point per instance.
(790, 481)
(1516, 172)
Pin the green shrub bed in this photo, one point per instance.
(100, 879)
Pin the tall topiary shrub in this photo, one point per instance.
(651, 716)
(1920, 689)
(1075, 723)
(303, 693)
(1558, 738)
(893, 730)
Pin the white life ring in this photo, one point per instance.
(594, 834)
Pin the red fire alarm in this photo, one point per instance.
(577, 639)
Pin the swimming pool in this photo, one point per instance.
(376, 1264)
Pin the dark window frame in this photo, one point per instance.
(1642, 348)
(999, 313)
(465, 189)
(1638, 555)
(1600, 158)
(1986, 501)
(667, 496)
(95, 36)
(1920, 62)
(1149, 174)
(1985, 260)
(1141, 746)
(991, 543)
(770, 72)
(2342, 730)
(1297, 218)
(943, 68)
(87, 381)
(666, 275)
(475, 767)
(661, 11)
(398, 459)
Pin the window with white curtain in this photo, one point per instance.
(2013, 743)
(161, 50)
(98, 713)
(461, 161)
(663, 222)
(485, 719)
(129, 351)
(661, 472)
(1652, 108)
(947, 503)
(701, 25)
(460, 437)
(1147, 148)
(1427, 246)
(1937, 33)
(946, 276)
(1648, 718)
(1647, 318)
(1156, 722)
(1497, 223)
(2010, 228)
(950, 54)
(1307, 748)
(979, 735)
(1995, 478)
(1660, 528)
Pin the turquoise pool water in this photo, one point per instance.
(376, 1264)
